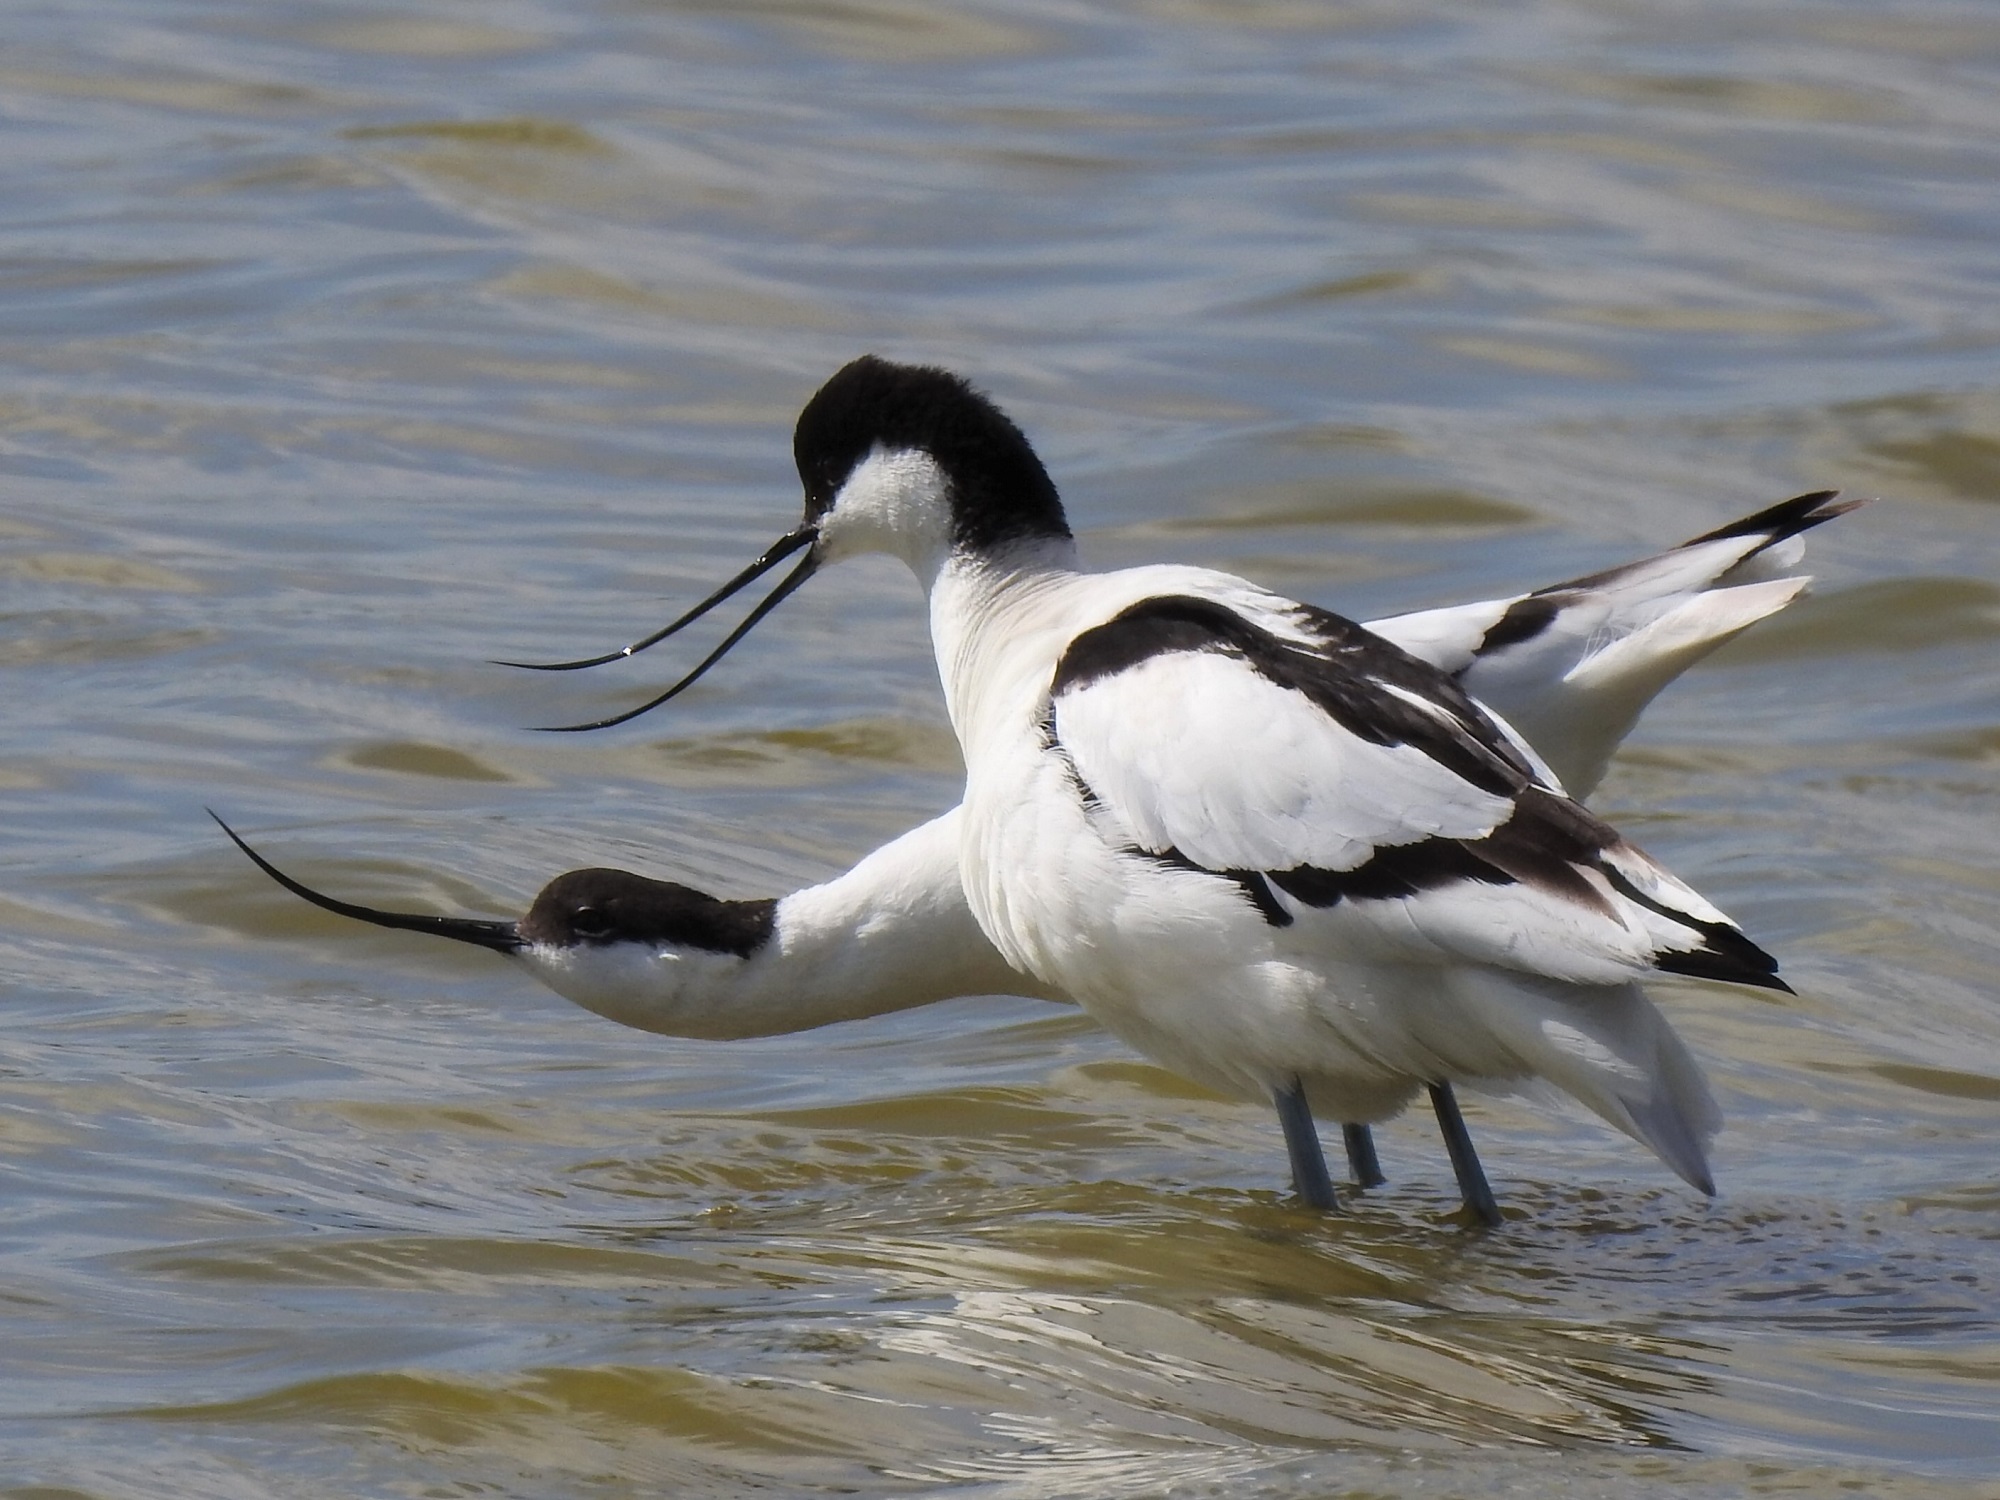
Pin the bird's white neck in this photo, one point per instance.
(889, 934)
(997, 621)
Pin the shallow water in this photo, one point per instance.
(349, 346)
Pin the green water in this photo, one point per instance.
(345, 347)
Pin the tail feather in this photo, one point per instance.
(1609, 1048)
(1641, 663)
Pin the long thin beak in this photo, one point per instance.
(501, 937)
(777, 596)
(778, 551)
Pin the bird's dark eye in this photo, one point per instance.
(589, 922)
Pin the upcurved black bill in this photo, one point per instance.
(777, 596)
(501, 937)
(776, 553)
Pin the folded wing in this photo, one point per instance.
(1334, 773)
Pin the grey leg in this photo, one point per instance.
(1309, 1174)
(1361, 1158)
(1472, 1184)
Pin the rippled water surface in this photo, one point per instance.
(344, 347)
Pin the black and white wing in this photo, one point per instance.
(1572, 665)
(1324, 769)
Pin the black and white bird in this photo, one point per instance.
(1283, 854)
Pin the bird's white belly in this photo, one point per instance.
(1178, 963)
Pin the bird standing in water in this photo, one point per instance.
(1573, 664)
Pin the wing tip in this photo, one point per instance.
(1727, 955)
(1786, 519)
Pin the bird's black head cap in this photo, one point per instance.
(597, 907)
(1000, 491)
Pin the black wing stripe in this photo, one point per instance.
(1399, 871)
(1549, 844)
(1526, 618)
(1434, 864)
(1155, 627)
(1256, 885)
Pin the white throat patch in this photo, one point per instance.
(896, 501)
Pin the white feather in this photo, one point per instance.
(1196, 752)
